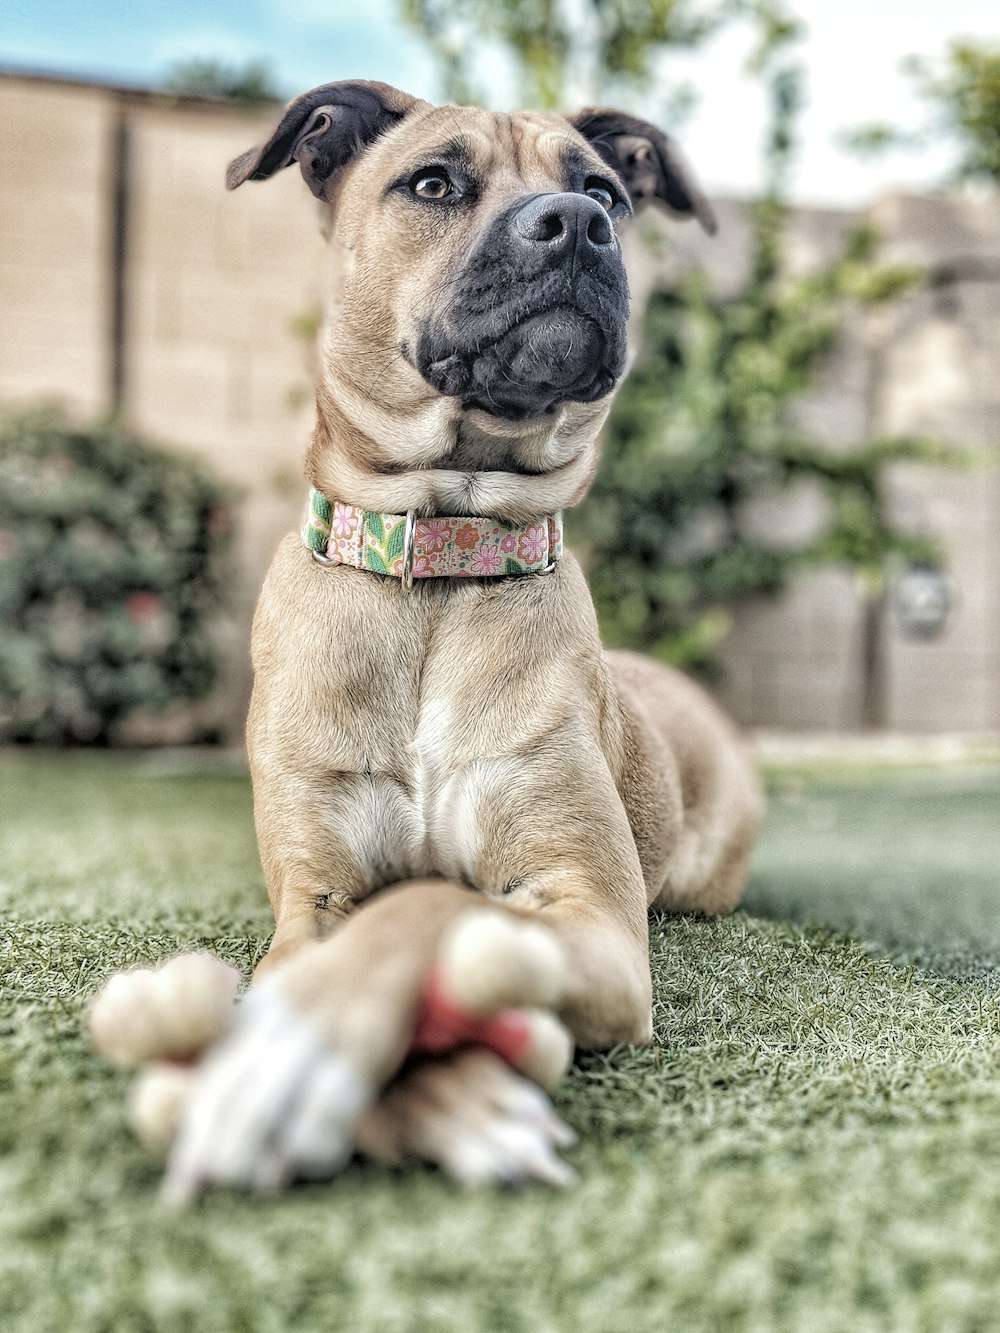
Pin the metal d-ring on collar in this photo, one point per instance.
(553, 555)
(409, 533)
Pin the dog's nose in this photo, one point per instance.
(563, 222)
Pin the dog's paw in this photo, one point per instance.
(171, 1012)
(270, 1104)
(157, 1100)
(493, 960)
(473, 1116)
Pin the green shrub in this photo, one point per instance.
(111, 563)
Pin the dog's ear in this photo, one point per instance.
(324, 130)
(649, 163)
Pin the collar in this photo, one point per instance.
(409, 548)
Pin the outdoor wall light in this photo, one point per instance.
(921, 600)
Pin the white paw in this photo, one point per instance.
(171, 1012)
(475, 1118)
(157, 1100)
(272, 1103)
(493, 960)
(549, 1052)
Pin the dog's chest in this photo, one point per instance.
(418, 812)
(422, 735)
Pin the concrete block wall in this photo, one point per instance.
(54, 314)
(940, 376)
(217, 287)
(928, 365)
(222, 285)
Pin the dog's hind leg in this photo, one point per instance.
(695, 849)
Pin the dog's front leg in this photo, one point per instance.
(608, 999)
(555, 841)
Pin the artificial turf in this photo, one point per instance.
(811, 1143)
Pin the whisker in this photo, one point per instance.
(369, 392)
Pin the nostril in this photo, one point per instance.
(548, 228)
(540, 220)
(599, 230)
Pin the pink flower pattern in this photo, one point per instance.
(485, 561)
(344, 522)
(432, 535)
(533, 543)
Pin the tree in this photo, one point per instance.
(203, 77)
(962, 95)
(701, 428)
(602, 43)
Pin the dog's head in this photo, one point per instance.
(478, 319)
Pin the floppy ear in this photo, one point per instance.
(324, 130)
(647, 161)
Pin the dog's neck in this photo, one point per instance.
(434, 460)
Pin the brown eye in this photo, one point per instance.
(431, 185)
(597, 189)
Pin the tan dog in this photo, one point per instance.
(463, 733)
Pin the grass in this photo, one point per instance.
(812, 1142)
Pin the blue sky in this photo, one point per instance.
(303, 41)
(852, 52)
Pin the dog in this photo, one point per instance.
(432, 708)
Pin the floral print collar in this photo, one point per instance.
(409, 548)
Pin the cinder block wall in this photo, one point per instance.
(940, 375)
(54, 200)
(194, 321)
(221, 286)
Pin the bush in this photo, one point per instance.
(111, 563)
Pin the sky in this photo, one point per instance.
(852, 52)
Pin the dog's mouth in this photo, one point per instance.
(550, 357)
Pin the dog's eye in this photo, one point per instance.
(600, 190)
(432, 184)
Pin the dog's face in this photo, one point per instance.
(479, 289)
(529, 310)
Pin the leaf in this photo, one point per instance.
(321, 506)
(512, 566)
(374, 561)
(397, 539)
(375, 527)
